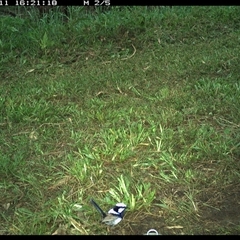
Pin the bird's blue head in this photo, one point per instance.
(118, 209)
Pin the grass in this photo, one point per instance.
(136, 105)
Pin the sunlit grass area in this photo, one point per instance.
(130, 104)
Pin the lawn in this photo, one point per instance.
(137, 105)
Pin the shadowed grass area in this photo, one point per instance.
(133, 104)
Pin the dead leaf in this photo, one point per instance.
(61, 182)
(31, 70)
(77, 207)
(78, 226)
(174, 227)
(62, 230)
(6, 206)
(33, 135)
(99, 94)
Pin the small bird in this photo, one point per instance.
(114, 215)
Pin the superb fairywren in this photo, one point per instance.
(114, 215)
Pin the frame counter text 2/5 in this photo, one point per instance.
(50, 2)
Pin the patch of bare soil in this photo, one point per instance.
(221, 210)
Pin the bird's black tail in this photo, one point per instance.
(98, 208)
